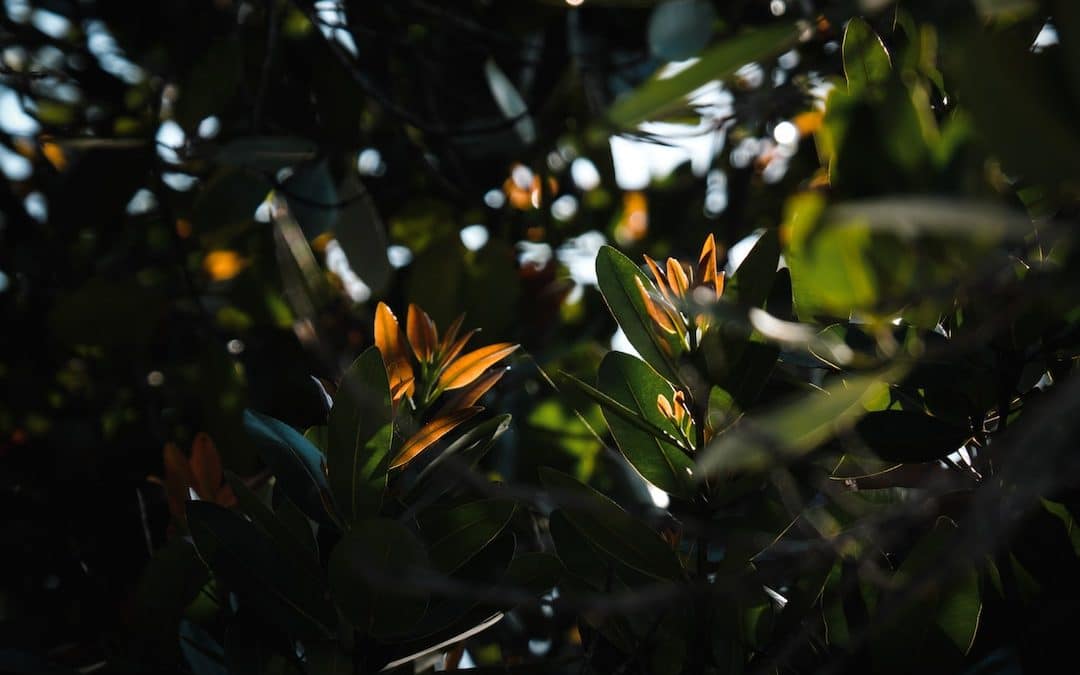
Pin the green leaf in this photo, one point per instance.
(909, 436)
(455, 535)
(369, 574)
(360, 232)
(633, 384)
(274, 585)
(753, 279)
(510, 102)
(283, 538)
(297, 464)
(678, 29)
(616, 408)
(229, 199)
(790, 430)
(866, 62)
(657, 97)
(611, 530)
(357, 452)
(534, 571)
(312, 197)
(615, 275)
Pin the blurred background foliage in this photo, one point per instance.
(202, 202)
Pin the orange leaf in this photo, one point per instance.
(658, 274)
(177, 480)
(677, 277)
(451, 334)
(472, 365)
(430, 433)
(205, 466)
(388, 341)
(707, 273)
(423, 336)
(471, 394)
(660, 318)
(456, 348)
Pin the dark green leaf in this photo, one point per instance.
(632, 383)
(228, 200)
(284, 539)
(297, 464)
(753, 279)
(313, 198)
(534, 571)
(615, 274)
(866, 63)
(369, 576)
(272, 584)
(456, 535)
(357, 446)
(614, 532)
(909, 436)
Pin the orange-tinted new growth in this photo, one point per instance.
(423, 336)
(467, 368)
(430, 433)
(388, 341)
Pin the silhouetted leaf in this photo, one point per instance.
(455, 535)
(613, 531)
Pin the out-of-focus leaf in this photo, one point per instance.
(456, 535)
(357, 452)
(678, 29)
(359, 230)
(635, 385)
(1020, 112)
(313, 198)
(297, 464)
(613, 531)
(271, 584)
(792, 429)
(509, 101)
(106, 313)
(369, 577)
(657, 97)
(909, 436)
(265, 153)
(866, 62)
(211, 83)
(615, 275)
(228, 198)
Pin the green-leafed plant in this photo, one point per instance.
(360, 545)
